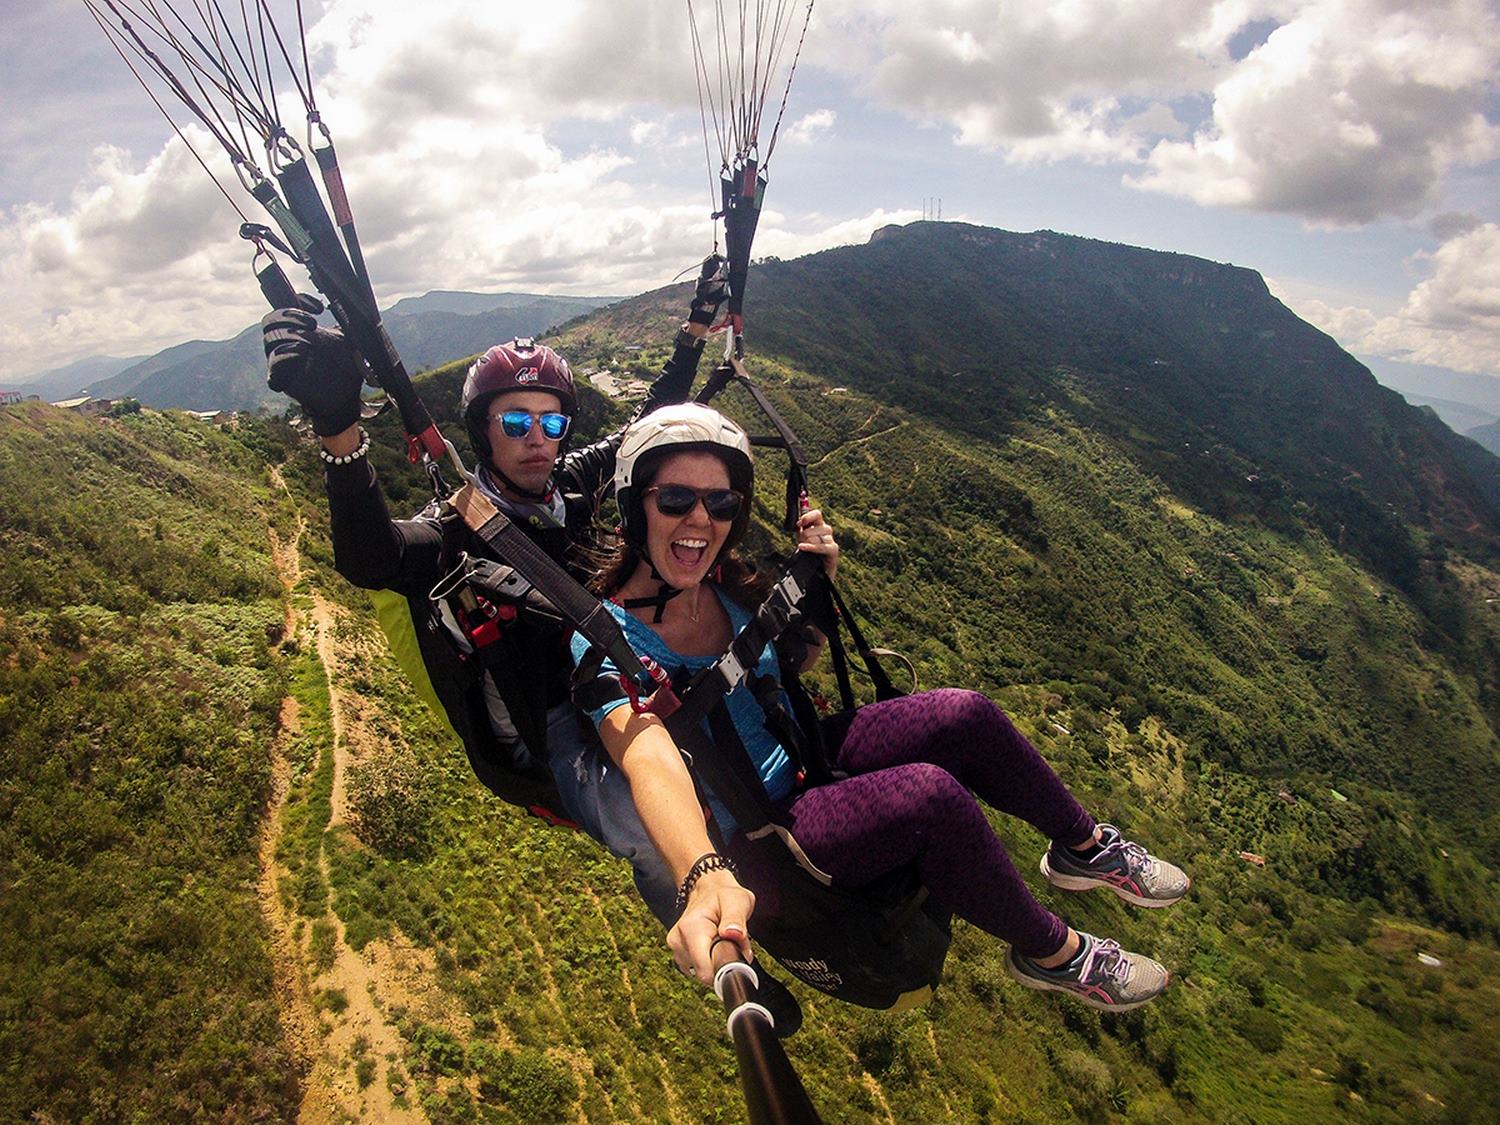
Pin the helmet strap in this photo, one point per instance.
(524, 493)
(664, 594)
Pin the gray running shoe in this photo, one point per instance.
(1104, 976)
(1126, 868)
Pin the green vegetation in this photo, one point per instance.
(138, 696)
(1280, 646)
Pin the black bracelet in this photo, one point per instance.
(708, 861)
(685, 339)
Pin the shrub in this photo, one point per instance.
(390, 802)
(1087, 1078)
(528, 1083)
(1261, 1029)
(436, 1050)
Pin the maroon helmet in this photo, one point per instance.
(518, 365)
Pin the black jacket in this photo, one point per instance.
(409, 556)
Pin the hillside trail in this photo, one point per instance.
(329, 1043)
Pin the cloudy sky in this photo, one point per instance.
(1347, 149)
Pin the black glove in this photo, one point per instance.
(712, 290)
(314, 366)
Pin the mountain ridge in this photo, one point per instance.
(432, 329)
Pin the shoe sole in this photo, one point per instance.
(1027, 981)
(1085, 883)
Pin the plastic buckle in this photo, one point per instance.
(661, 702)
(495, 617)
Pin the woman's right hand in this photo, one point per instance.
(718, 908)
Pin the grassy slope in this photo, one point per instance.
(1202, 663)
(1051, 571)
(138, 693)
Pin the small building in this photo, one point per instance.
(84, 404)
(9, 398)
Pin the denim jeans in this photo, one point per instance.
(596, 796)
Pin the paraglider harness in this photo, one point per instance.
(879, 946)
(501, 618)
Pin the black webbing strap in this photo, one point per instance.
(583, 611)
(310, 233)
(733, 370)
(884, 689)
(722, 762)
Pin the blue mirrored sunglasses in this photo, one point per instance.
(517, 423)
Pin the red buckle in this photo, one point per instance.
(556, 820)
(661, 702)
(487, 632)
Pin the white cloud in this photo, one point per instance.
(137, 257)
(448, 147)
(1350, 111)
(554, 144)
(811, 127)
(780, 242)
(1451, 319)
(1006, 75)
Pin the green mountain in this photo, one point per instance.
(429, 330)
(1241, 596)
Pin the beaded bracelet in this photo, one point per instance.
(709, 861)
(348, 458)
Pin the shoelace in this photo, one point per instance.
(1110, 958)
(1136, 857)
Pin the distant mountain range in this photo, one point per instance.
(70, 379)
(230, 374)
(1468, 403)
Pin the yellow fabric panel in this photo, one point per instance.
(394, 614)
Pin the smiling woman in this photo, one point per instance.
(907, 773)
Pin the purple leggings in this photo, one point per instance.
(918, 764)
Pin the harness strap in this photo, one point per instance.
(884, 689)
(733, 370)
(582, 610)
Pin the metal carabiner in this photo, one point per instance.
(314, 118)
(661, 702)
(282, 149)
(249, 175)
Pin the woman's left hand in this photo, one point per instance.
(816, 537)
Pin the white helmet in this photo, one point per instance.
(680, 428)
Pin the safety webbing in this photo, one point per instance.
(733, 370)
(584, 611)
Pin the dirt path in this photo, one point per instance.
(299, 1020)
(331, 1043)
(325, 621)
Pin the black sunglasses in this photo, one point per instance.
(721, 504)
